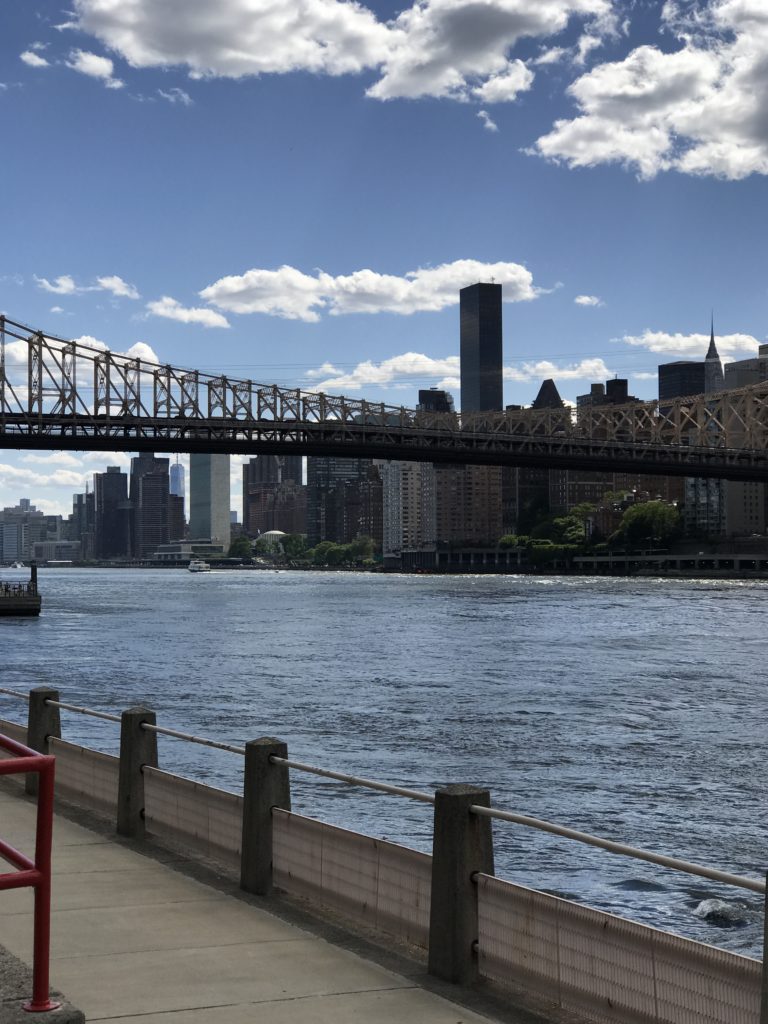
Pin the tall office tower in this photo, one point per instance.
(681, 378)
(741, 373)
(21, 527)
(713, 368)
(81, 525)
(333, 499)
(177, 524)
(177, 479)
(209, 498)
(481, 348)
(112, 533)
(274, 497)
(149, 493)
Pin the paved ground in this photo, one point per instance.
(132, 937)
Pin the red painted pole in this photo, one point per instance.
(37, 875)
(41, 1001)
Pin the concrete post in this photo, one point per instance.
(138, 747)
(265, 785)
(462, 846)
(43, 722)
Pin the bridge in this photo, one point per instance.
(66, 395)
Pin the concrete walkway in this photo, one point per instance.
(132, 937)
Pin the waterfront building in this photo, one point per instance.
(21, 527)
(112, 514)
(274, 497)
(209, 498)
(410, 509)
(81, 525)
(149, 494)
(343, 500)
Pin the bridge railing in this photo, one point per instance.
(472, 924)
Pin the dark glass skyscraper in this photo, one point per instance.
(481, 343)
(112, 513)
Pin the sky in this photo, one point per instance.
(296, 192)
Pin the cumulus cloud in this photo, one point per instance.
(65, 285)
(289, 293)
(699, 109)
(94, 66)
(53, 459)
(587, 369)
(17, 475)
(387, 373)
(34, 60)
(171, 309)
(118, 287)
(488, 123)
(588, 300)
(451, 48)
(691, 346)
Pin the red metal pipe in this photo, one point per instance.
(37, 873)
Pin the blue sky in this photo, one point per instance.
(296, 192)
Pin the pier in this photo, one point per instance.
(134, 934)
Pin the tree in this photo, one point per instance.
(240, 548)
(652, 522)
(294, 545)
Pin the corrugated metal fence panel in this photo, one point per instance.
(377, 883)
(86, 776)
(205, 819)
(617, 971)
(17, 732)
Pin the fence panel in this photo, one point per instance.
(86, 776)
(372, 881)
(617, 971)
(15, 732)
(200, 817)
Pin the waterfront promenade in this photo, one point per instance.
(134, 936)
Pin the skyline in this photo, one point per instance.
(602, 161)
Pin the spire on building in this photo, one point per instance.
(713, 368)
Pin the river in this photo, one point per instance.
(633, 709)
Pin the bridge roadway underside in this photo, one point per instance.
(409, 443)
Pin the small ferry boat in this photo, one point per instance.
(17, 598)
(198, 565)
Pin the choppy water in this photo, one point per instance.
(634, 709)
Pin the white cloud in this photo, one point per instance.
(141, 350)
(691, 346)
(451, 48)
(118, 287)
(289, 293)
(107, 458)
(57, 309)
(488, 123)
(53, 459)
(553, 55)
(171, 309)
(588, 300)
(15, 475)
(63, 285)
(34, 60)
(176, 95)
(587, 369)
(645, 375)
(91, 64)
(387, 373)
(699, 109)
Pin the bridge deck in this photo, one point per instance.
(134, 937)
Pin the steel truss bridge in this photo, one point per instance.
(59, 394)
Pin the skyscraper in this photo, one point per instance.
(209, 498)
(481, 348)
(149, 504)
(112, 514)
(177, 479)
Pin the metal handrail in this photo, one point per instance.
(34, 873)
(193, 739)
(15, 693)
(621, 848)
(83, 711)
(354, 780)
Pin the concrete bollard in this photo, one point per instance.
(138, 747)
(265, 785)
(462, 846)
(43, 722)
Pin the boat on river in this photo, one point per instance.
(19, 597)
(198, 565)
